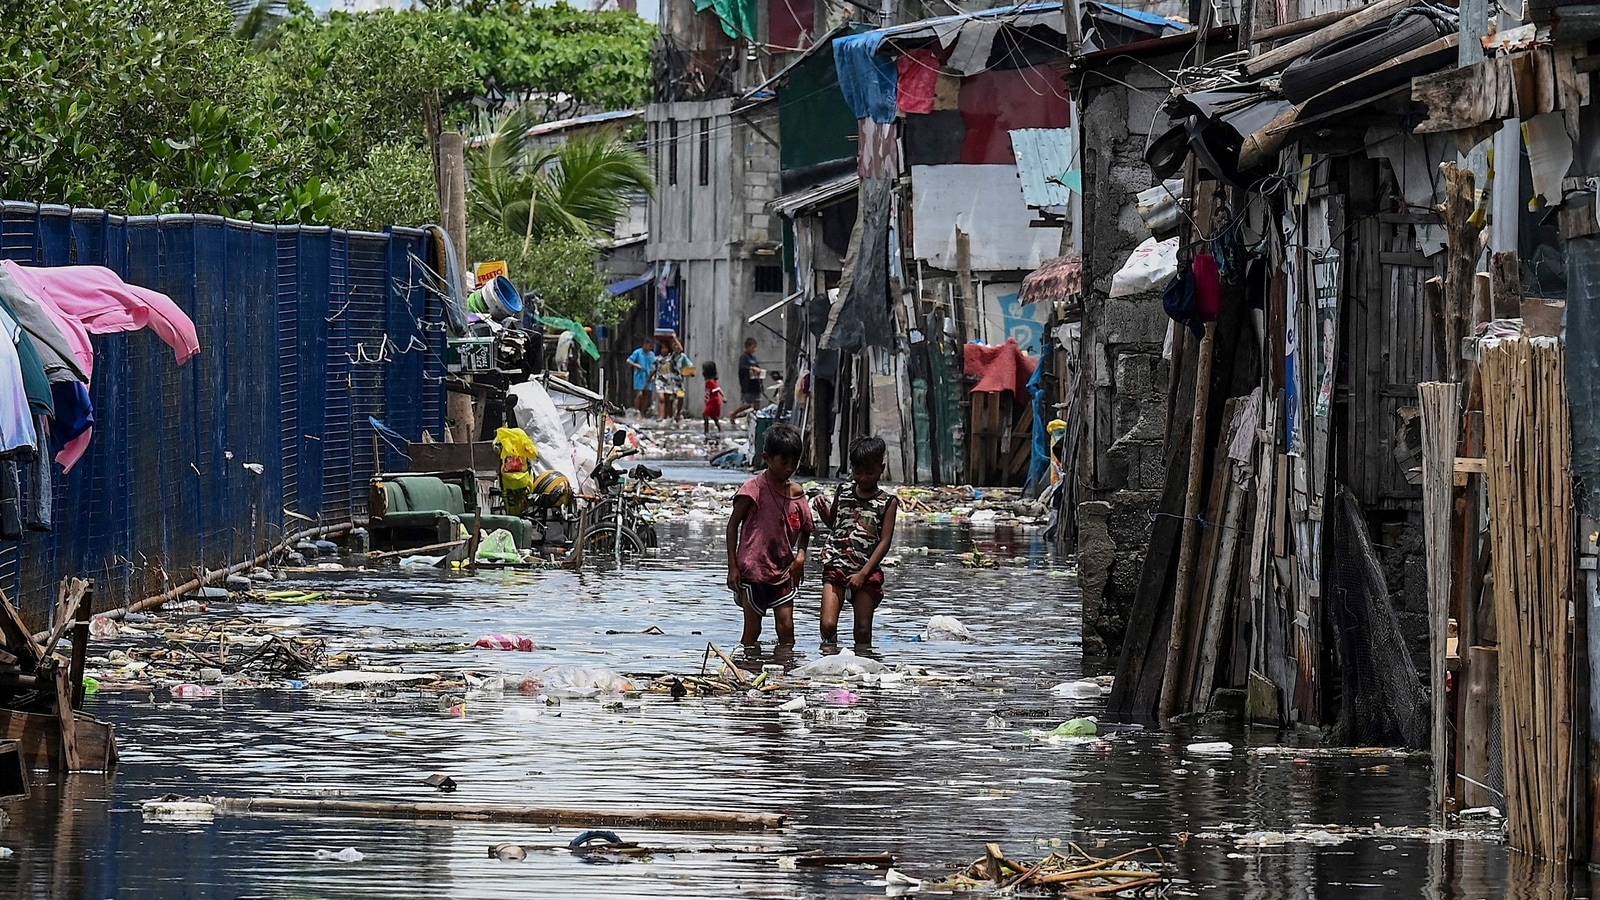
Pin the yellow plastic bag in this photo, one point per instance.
(517, 453)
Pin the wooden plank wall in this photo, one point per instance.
(1389, 339)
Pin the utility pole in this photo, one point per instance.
(453, 206)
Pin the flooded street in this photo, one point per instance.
(928, 773)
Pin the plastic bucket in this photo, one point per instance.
(497, 298)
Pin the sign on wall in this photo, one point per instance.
(1005, 316)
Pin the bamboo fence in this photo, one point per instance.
(1530, 532)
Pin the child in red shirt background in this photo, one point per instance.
(713, 410)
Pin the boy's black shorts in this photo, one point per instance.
(764, 598)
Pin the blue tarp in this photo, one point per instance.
(1039, 466)
(618, 288)
(868, 81)
(1139, 15)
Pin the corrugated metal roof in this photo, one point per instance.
(799, 201)
(1044, 161)
(1139, 15)
(946, 28)
(561, 125)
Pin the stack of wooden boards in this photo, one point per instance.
(41, 689)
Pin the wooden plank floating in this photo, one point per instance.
(688, 820)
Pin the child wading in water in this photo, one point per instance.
(862, 522)
(713, 409)
(767, 537)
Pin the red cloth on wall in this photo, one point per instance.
(993, 104)
(790, 23)
(1000, 368)
(919, 75)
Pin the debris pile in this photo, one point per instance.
(1248, 837)
(1075, 873)
(939, 506)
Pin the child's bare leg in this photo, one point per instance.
(863, 607)
(783, 621)
(832, 600)
(752, 627)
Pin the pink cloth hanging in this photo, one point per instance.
(85, 300)
(105, 304)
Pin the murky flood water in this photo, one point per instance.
(931, 774)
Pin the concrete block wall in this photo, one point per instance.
(761, 178)
(1123, 466)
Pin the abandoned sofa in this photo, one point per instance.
(419, 510)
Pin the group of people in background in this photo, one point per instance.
(661, 370)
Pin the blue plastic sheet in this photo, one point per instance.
(868, 80)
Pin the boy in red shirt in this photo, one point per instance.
(767, 537)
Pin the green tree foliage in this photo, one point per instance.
(558, 60)
(580, 187)
(160, 105)
(395, 185)
(95, 94)
(559, 268)
(543, 210)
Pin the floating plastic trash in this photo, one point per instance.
(1081, 727)
(352, 677)
(177, 811)
(947, 628)
(499, 546)
(1078, 690)
(575, 682)
(1209, 748)
(839, 665)
(348, 854)
(505, 642)
(191, 691)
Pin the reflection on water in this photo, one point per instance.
(930, 773)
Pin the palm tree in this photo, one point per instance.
(581, 187)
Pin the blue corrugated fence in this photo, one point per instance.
(304, 333)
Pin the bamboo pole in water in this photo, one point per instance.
(1527, 445)
(695, 820)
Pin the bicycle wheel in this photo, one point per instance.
(604, 542)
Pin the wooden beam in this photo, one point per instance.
(689, 820)
(66, 723)
(1300, 26)
(1476, 725)
(1279, 57)
(1172, 676)
(80, 645)
(1441, 421)
(1218, 591)
(1464, 236)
